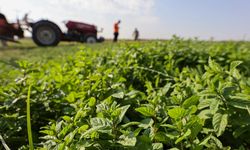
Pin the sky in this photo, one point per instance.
(155, 19)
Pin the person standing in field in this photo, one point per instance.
(136, 34)
(116, 31)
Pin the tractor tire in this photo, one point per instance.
(91, 39)
(46, 33)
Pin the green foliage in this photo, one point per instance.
(175, 94)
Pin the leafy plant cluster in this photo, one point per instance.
(177, 94)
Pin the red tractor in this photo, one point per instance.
(47, 33)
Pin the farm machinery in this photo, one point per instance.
(9, 30)
(47, 33)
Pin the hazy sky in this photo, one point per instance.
(221, 19)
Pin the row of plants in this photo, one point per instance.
(176, 94)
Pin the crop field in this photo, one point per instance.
(148, 95)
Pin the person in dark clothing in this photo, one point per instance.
(136, 34)
(116, 31)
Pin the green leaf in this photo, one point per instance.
(241, 101)
(214, 66)
(161, 137)
(122, 110)
(65, 130)
(83, 128)
(71, 97)
(176, 113)
(217, 142)
(127, 140)
(130, 124)
(204, 103)
(235, 73)
(234, 64)
(174, 148)
(48, 132)
(173, 135)
(165, 89)
(94, 135)
(195, 127)
(146, 123)
(193, 100)
(205, 114)
(220, 123)
(191, 110)
(80, 113)
(88, 133)
(61, 146)
(169, 126)
(92, 102)
(95, 85)
(137, 132)
(185, 135)
(205, 140)
(119, 95)
(133, 93)
(58, 126)
(68, 139)
(146, 111)
(149, 86)
(144, 143)
(214, 106)
(103, 122)
(157, 146)
(66, 118)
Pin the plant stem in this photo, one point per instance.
(28, 121)
(4, 143)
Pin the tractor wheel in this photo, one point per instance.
(46, 33)
(91, 39)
